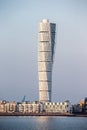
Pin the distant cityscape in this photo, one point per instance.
(43, 107)
(46, 47)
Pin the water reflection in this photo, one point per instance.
(43, 123)
(43, 119)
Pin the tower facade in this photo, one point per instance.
(46, 38)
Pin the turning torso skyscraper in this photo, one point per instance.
(45, 59)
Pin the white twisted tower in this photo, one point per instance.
(45, 59)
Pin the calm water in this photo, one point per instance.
(43, 123)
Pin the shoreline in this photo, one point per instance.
(44, 114)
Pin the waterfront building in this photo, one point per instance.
(48, 107)
(76, 108)
(36, 107)
(80, 107)
(45, 59)
(55, 107)
(25, 107)
(85, 105)
(2, 106)
(11, 107)
(20, 107)
(29, 107)
(6, 106)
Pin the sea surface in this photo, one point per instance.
(42, 123)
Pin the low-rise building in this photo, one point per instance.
(2, 106)
(36, 107)
(85, 105)
(29, 107)
(80, 107)
(10, 107)
(63, 107)
(77, 108)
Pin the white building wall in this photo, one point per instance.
(46, 38)
(63, 107)
(29, 107)
(38, 107)
(2, 107)
(10, 107)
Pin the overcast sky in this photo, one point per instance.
(19, 21)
